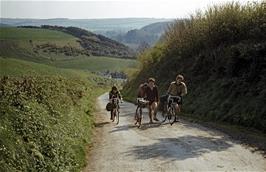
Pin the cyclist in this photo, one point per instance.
(152, 96)
(178, 88)
(141, 94)
(114, 93)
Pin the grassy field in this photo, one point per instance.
(33, 34)
(16, 67)
(97, 63)
(21, 43)
(27, 38)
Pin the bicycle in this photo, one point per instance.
(171, 114)
(115, 110)
(141, 103)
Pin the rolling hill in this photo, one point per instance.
(149, 35)
(95, 25)
(59, 48)
(92, 44)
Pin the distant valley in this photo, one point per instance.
(122, 25)
(144, 37)
(137, 33)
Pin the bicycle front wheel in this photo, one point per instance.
(140, 117)
(171, 115)
(117, 116)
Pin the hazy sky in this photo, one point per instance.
(104, 9)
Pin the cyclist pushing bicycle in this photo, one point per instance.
(176, 91)
(141, 103)
(147, 97)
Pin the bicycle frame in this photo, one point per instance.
(171, 110)
(138, 116)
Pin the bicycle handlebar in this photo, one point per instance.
(142, 100)
(174, 97)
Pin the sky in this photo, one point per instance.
(87, 9)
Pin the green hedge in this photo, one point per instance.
(45, 123)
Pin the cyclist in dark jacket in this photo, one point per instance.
(152, 96)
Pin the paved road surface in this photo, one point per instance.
(160, 147)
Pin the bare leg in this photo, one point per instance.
(112, 117)
(136, 113)
(150, 113)
(177, 108)
(154, 110)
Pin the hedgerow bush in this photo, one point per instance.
(45, 123)
(219, 25)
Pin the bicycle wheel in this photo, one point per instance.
(169, 114)
(117, 116)
(164, 113)
(172, 115)
(165, 116)
(136, 115)
(140, 117)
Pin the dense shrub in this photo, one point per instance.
(45, 123)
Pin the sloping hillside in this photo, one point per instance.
(57, 48)
(38, 45)
(149, 34)
(222, 54)
(93, 44)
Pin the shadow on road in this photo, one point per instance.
(122, 128)
(100, 124)
(126, 113)
(179, 148)
(146, 126)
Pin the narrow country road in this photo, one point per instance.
(160, 147)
